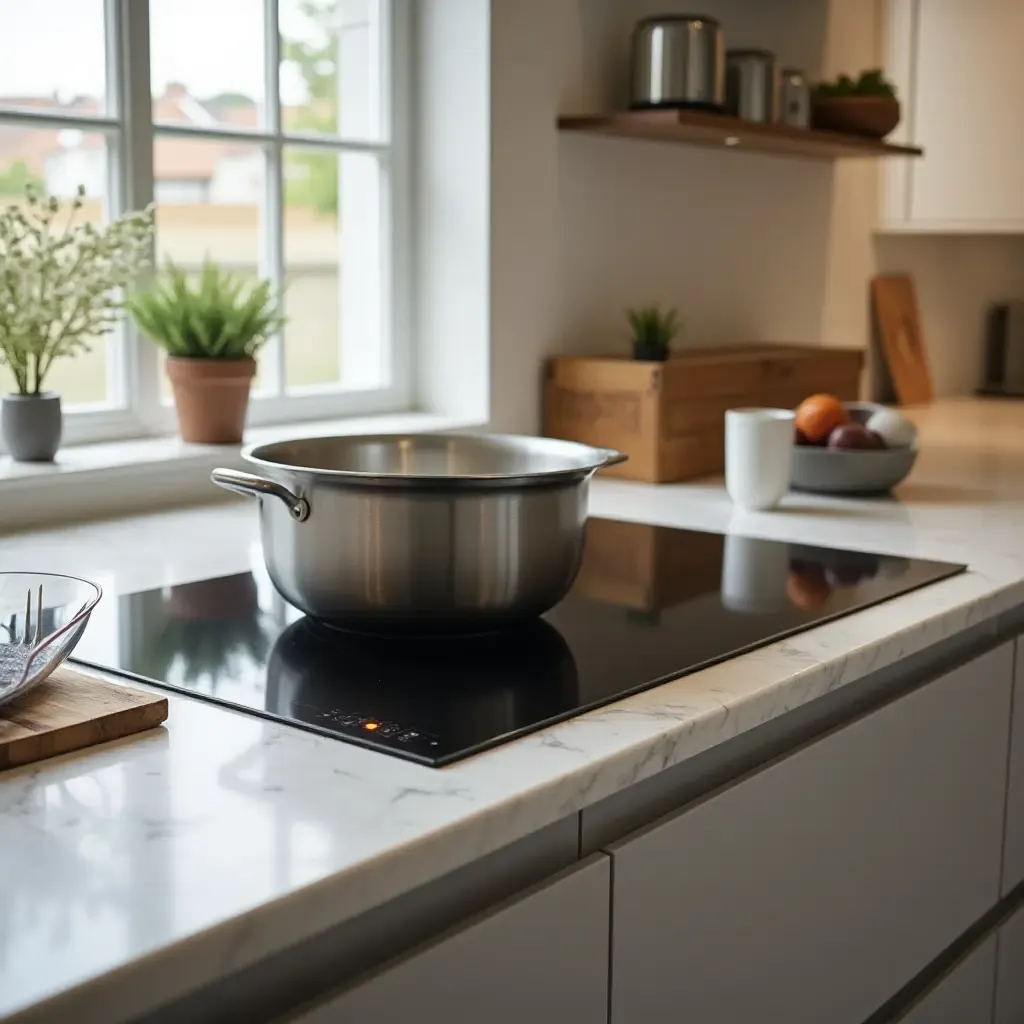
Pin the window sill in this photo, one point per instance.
(115, 478)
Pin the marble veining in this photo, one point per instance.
(152, 865)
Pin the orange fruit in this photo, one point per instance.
(819, 415)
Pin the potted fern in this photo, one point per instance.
(212, 330)
(653, 330)
(60, 290)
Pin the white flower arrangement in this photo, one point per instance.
(61, 284)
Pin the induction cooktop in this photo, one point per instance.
(650, 604)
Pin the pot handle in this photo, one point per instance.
(612, 457)
(260, 487)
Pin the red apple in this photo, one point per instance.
(852, 436)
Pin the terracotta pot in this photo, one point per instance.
(871, 116)
(211, 396)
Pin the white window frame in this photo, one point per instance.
(134, 407)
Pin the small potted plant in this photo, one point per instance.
(211, 329)
(60, 284)
(653, 330)
(865, 106)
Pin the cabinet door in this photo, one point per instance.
(964, 995)
(543, 956)
(965, 112)
(816, 888)
(899, 21)
(1010, 972)
(1013, 859)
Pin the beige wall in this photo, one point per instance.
(958, 278)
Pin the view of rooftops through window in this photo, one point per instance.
(208, 72)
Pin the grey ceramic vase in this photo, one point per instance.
(31, 426)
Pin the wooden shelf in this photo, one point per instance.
(699, 128)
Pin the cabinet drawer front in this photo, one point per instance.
(816, 888)
(543, 956)
(965, 994)
(1013, 858)
(1010, 971)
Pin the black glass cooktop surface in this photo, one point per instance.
(650, 604)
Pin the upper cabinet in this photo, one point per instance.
(959, 70)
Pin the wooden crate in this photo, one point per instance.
(669, 418)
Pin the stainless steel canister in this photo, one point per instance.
(795, 99)
(752, 85)
(678, 61)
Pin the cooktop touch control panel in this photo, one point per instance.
(374, 731)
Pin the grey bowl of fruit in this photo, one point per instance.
(851, 448)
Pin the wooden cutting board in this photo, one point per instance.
(899, 330)
(71, 711)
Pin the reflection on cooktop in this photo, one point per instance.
(650, 604)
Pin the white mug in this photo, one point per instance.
(758, 456)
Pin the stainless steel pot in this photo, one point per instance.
(428, 531)
(678, 62)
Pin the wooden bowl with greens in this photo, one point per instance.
(866, 106)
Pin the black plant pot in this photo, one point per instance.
(31, 426)
(649, 352)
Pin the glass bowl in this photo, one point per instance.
(42, 618)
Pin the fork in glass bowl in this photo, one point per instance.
(37, 636)
(15, 653)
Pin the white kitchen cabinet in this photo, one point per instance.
(986, 986)
(540, 957)
(813, 889)
(958, 71)
(964, 995)
(1013, 858)
(1010, 972)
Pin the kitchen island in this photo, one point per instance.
(827, 828)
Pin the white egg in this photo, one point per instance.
(893, 427)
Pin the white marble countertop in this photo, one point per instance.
(149, 866)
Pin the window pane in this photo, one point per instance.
(330, 67)
(54, 55)
(333, 211)
(59, 161)
(312, 254)
(207, 62)
(209, 198)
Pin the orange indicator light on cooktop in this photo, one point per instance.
(371, 726)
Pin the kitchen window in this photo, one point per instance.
(271, 136)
